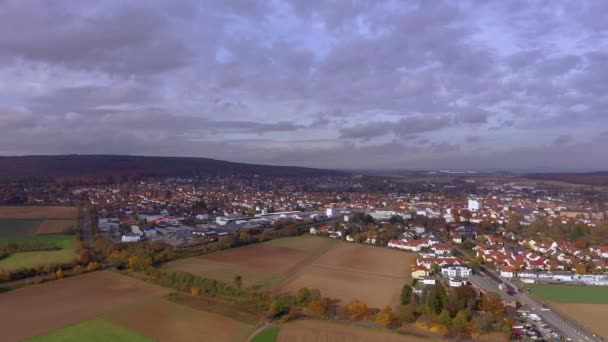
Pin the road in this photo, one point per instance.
(564, 325)
(87, 226)
(259, 331)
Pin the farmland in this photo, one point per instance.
(571, 293)
(46, 307)
(38, 212)
(64, 252)
(340, 270)
(164, 320)
(590, 315)
(96, 330)
(313, 331)
(353, 271)
(265, 264)
(41, 225)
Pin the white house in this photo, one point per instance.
(474, 205)
(453, 271)
(332, 212)
(130, 237)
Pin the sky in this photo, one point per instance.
(462, 85)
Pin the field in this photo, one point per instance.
(353, 271)
(163, 320)
(269, 335)
(38, 212)
(323, 331)
(266, 264)
(39, 309)
(590, 315)
(341, 270)
(587, 305)
(571, 293)
(96, 330)
(37, 223)
(31, 259)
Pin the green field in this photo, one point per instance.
(18, 227)
(93, 330)
(268, 335)
(36, 258)
(571, 293)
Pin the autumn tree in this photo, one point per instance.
(93, 266)
(460, 323)
(407, 313)
(133, 262)
(277, 306)
(317, 308)
(581, 268)
(304, 296)
(386, 316)
(195, 291)
(406, 294)
(59, 274)
(357, 310)
(492, 302)
(445, 319)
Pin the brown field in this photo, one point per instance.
(163, 320)
(322, 331)
(54, 226)
(353, 271)
(590, 315)
(42, 308)
(261, 257)
(38, 212)
(258, 264)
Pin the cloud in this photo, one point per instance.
(317, 83)
(562, 140)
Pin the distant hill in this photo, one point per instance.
(590, 178)
(113, 166)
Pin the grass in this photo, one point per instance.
(36, 258)
(10, 228)
(268, 335)
(92, 330)
(571, 293)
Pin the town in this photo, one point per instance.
(497, 235)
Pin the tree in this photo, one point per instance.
(304, 296)
(407, 313)
(482, 323)
(59, 274)
(277, 306)
(93, 266)
(357, 310)
(445, 319)
(436, 298)
(581, 268)
(460, 323)
(406, 294)
(133, 262)
(85, 257)
(386, 316)
(492, 303)
(195, 291)
(317, 308)
(238, 281)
